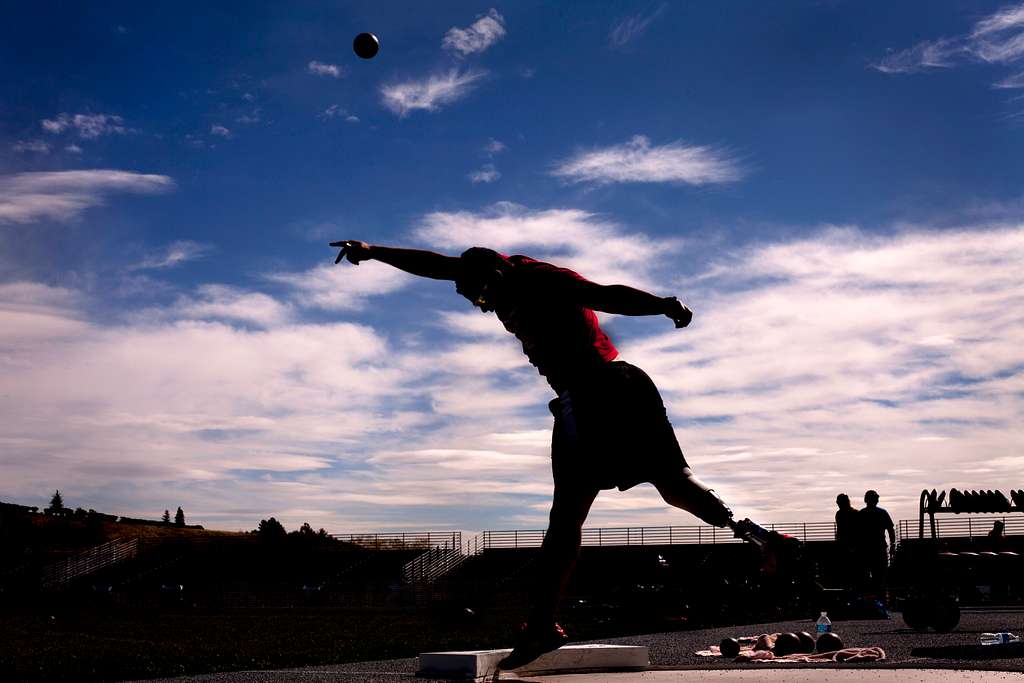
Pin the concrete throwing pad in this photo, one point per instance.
(478, 664)
(766, 672)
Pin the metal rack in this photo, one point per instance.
(934, 502)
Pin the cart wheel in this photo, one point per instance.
(945, 615)
(917, 614)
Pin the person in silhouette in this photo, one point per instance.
(997, 535)
(848, 539)
(611, 429)
(875, 524)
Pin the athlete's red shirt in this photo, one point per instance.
(559, 336)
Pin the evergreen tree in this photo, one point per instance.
(57, 502)
(271, 529)
(179, 517)
(166, 519)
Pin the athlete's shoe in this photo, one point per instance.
(531, 643)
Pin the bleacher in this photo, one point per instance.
(674, 572)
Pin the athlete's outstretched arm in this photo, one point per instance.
(625, 300)
(415, 261)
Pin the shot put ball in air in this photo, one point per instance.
(366, 45)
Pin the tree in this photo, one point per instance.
(271, 529)
(57, 502)
(179, 517)
(166, 519)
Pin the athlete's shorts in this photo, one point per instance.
(611, 430)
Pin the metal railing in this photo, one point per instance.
(963, 527)
(432, 565)
(424, 539)
(92, 560)
(661, 535)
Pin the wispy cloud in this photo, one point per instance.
(630, 28)
(323, 69)
(477, 37)
(88, 126)
(220, 131)
(842, 344)
(337, 111)
(429, 94)
(35, 146)
(598, 247)
(340, 288)
(996, 39)
(638, 162)
(1010, 82)
(493, 147)
(62, 195)
(485, 174)
(181, 251)
(222, 302)
(254, 116)
(842, 348)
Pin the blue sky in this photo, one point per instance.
(834, 188)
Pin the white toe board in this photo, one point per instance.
(476, 665)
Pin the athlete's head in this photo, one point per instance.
(483, 272)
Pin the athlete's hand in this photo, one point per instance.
(354, 250)
(678, 312)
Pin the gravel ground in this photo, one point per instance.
(903, 646)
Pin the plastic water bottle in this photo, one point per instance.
(1001, 638)
(824, 624)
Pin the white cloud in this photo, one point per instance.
(88, 126)
(221, 302)
(598, 248)
(322, 69)
(73, 148)
(486, 174)
(638, 162)
(925, 55)
(217, 129)
(176, 253)
(31, 311)
(1010, 82)
(342, 287)
(337, 111)
(62, 195)
(255, 116)
(429, 94)
(995, 39)
(632, 27)
(830, 343)
(477, 37)
(811, 367)
(493, 147)
(202, 402)
(472, 324)
(36, 146)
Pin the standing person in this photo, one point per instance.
(875, 523)
(848, 539)
(611, 429)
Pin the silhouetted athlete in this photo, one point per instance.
(875, 523)
(611, 429)
(848, 539)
